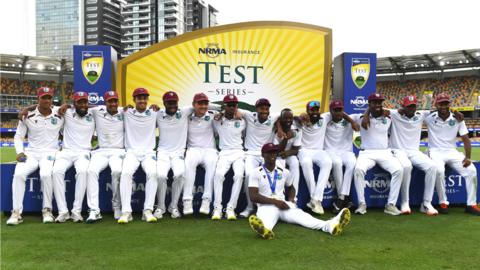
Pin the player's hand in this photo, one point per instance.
(289, 135)
(356, 127)
(155, 107)
(21, 157)
(281, 135)
(386, 113)
(22, 114)
(365, 122)
(63, 109)
(466, 162)
(305, 119)
(283, 154)
(127, 107)
(281, 205)
(458, 115)
(218, 116)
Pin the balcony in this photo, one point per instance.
(126, 26)
(129, 11)
(143, 18)
(137, 33)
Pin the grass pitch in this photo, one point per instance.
(373, 241)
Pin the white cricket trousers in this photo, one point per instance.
(228, 158)
(307, 158)
(343, 180)
(35, 159)
(80, 159)
(205, 157)
(453, 158)
(101, 158)
(133, 159)
(252, 161)
(385, 159)
(270, 214)
(165, 162)
(410, 158)
(293, 168)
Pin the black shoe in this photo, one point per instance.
(348, 203)
(337, 206)
(443, 209)
(473, 209)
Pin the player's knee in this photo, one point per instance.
(470, 172)
(407, 169)
(81, 172)
(116, 173)
(306, 164)
(46, 175)
(440, 171)
(359, 172)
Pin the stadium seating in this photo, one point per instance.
(12, 87)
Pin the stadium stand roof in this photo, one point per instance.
(37, 64)
(429, 62)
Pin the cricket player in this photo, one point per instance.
(111, 152)
(268, 186)
(230, 131)
(375, 150)
(77, 136)
(313, 137)
(42, 126)
(289, 146)
(260, 126)
(338, 145)
(442, 137)
(140, 124)
(201, 150)
(173, 127)
(405, 136)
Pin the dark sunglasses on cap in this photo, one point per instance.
(314, 104)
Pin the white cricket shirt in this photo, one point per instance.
(78, 131)
(339, 136)
(405, 132)
(259, 179)
(230, 133)
(296, 140)
(443, 134)
(140, 129)
(200, 131)
(42, 131)
(109, 128)
(313, 137)
(257, 133)
(173, 129)
(376, 137)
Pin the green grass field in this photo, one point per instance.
(373, 241)
(8, 153)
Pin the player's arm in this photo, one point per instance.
(467, 146)
(24, 112)
(256, 197)
(366, 119)
(18, 141)
(290, 192)
(355, 125)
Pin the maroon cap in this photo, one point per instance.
(43, 91)
(262, 102)
(270, 147)
(409, 100)
(80, 95)
(230, 99)
(140, 91)
(336, 104)
(110, 95)
(170, 96)
(376, 96)
(200, 97)
(442, 97)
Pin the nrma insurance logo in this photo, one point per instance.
(330, 188)
(360, 71)
(359, 102)
(380, 183)
(94, 98)
(212, 50)
(92, 65)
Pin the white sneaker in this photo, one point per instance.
(94, 216)
(310, 204)
(62, 217)
(230, 213)
(15, 218)
(187, 207)
(317, 207)
(77, 217)
(391, 209)
(246, 213)
(205, 207)
(47, 215)
(125, 218)
(175, 213)
(217, 214)
(362, 209)
(148, 216)
(117, 212)
(158, 213)
(428, 209)
(405, 209)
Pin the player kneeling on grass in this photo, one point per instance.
(442, 137)
(42, 125)
(266, 186)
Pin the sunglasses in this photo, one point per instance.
(314, 104)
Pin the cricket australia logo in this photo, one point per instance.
(360, 71)
(92, 65)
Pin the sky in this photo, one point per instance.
(388, 28)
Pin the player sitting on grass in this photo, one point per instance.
(267, 187)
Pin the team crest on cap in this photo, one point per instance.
(92, 65)
(230, 97)
(410, 98)
(360, 71)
